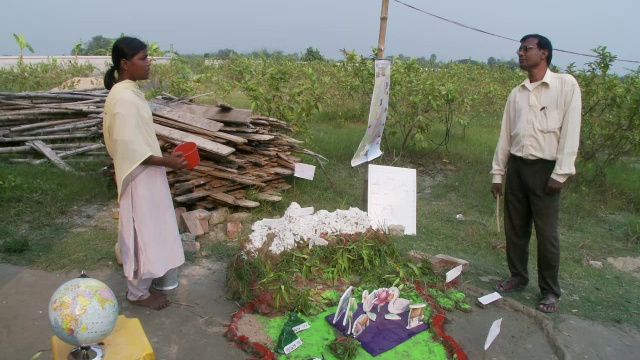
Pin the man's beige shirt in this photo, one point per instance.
(128, 129)
(541, 121)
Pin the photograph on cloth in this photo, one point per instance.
(343, 304)
(416, 313)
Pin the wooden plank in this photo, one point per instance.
(222, 197)
(203, 144)
(193, 196)
(50, 154)
(255, 137)
(269, 197)
(51, 137)
(185, 117)
(82, 150)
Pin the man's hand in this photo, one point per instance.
(553, 186)
(496, 190)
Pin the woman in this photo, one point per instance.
(148, 233)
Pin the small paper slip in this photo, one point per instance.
(454, 273)
(493, 333)
(488, 299)
(304, 171)
(294, 345)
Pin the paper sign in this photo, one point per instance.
(493, 333)
(304, 171)
(392, 197)
(454, 273)
(369, 147)
(294, 345)
(488, 299)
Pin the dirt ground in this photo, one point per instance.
(192, 328)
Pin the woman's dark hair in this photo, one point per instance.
(543, 44)
(124, 48)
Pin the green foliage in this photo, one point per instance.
(293, 278)
(279, 88)
(610, 114)
(98, 45)
(312, 54)
(345, 348)
(22, 44)
(41, 76)
(174, 77)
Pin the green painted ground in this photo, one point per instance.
(316, 340)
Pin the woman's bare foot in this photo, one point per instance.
(155, 301)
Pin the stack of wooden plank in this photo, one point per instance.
(244, 157)
(57, 124)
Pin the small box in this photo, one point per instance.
(127, 341)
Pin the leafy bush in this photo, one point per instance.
(41, 76)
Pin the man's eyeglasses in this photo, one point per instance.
(525, 48)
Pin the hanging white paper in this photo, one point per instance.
(488, 299)
(454, 273)
(369, 148)
(304, 171)
(493, 333)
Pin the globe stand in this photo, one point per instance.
(91, 352)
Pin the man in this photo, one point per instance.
(536, 152)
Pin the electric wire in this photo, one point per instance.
(500, 36)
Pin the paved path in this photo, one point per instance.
(194, 330)
(178, 332)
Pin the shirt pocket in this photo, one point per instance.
(550, 120)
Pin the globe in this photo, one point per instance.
(83, 311)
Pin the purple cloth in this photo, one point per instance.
(382, 334)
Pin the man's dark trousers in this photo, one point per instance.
(525, 203)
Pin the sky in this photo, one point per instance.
(52, 27)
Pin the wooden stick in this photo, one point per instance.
(498, 212)
(50, 137)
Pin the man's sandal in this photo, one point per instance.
(508, 285)
(548, 304)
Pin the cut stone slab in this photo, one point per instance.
(443, 262)
(595, 264)
(233, 230)
(187, 237)
(238, 217)
(181, 225)
(396, 230)
(203, 217)
(191, 246)
(626, 264)
(192, 223)
(218, 216)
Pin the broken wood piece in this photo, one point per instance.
(203, 144)
(184, 117)
(50, 154)
(85, 149)
(269, 197)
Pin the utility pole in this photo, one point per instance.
(384, 16)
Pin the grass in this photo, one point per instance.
(37, 212)
(597, 221)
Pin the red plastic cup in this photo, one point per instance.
(190, 153)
